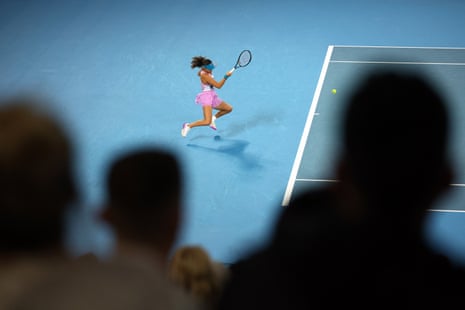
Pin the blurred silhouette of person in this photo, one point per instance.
(97, 285)
(36, 187)
(192, 268)
(144, 205)
(360, 242)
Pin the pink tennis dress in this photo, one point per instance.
(208, 96)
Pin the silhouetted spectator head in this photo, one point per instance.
(395, 139)
(144, 191)
(36, 177)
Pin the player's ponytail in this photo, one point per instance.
(199, 61)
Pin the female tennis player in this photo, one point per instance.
(208, 98)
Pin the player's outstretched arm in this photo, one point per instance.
(217, 84)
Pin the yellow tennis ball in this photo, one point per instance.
(334, 91)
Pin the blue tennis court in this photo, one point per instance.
(119, 73)
(314, 162)
(341, 68)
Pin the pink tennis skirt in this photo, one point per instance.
(208, 98)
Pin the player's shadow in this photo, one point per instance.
(231, 147)
(264, 118)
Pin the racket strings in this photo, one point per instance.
(244, 58)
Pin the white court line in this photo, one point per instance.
(308, 124)
(400, 47)
(446, 211)
(316, 180)
(399, 62)
(333, 180)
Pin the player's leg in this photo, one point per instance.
(207, 117)
(223, 109)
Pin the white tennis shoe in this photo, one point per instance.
(185, 129)
(212, 124)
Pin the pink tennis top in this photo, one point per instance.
(205, 86)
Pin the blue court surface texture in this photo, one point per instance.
(118, 72)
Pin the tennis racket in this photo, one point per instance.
(243, 60)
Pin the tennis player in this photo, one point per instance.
(208, 98)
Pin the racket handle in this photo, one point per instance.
(232, 70)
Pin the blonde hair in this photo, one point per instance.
(192, 269)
